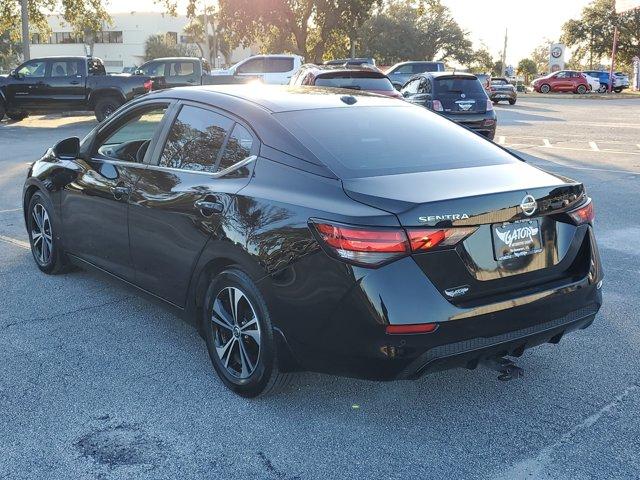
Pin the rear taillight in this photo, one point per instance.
(583, 214)
(437, 106)
(375, 246)
(411, 329)
(148, 85)
(489, 105)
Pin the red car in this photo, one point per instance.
(562, 81)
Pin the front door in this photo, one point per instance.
(179, 203)
(95, 204)
(24, 91)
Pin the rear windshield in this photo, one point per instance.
(458, 85)
(369, 141)
(354, 82)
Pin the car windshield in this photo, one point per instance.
(458, 85)
(370, 141)
(355, 83)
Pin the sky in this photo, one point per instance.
(528, 22)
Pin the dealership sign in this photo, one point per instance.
(556, 57)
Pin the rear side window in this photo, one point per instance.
(181, 69)
(426, 67)
(356, 83)
(388, 140)
(278, 65)
(458, 85)
(195, 140)
(238, 147)
(66, 68)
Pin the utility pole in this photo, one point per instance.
(613, 57)
(25, 29)
(504, 55)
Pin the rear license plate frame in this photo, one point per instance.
(516, 239)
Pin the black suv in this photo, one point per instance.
(458, 96)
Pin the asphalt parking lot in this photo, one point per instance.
(98, 382)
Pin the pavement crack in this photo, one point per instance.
(533, 467)
(62, 314)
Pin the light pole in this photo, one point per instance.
(24, 5)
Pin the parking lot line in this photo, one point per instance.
(16, 242)
(594, 146)
(10, 210)
(501, 140)
(546, 142)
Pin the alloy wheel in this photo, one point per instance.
(236, 332)
(41, 234)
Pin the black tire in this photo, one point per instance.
(2, 111)
(512, 101)
(581, 89)
(105, 107)
(545, 88)
(617, 90)
(17, 116)
(247, 366)
(51, 260)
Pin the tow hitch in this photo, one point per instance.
(506, 369)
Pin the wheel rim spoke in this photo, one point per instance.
(41, 234)
(236, 332)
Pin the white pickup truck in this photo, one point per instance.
(273, 69)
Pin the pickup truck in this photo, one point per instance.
(184, 72)
(275, 69)
(66, 83)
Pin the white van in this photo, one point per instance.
(273, 69)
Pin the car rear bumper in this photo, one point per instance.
(503, 95)
(481, 123)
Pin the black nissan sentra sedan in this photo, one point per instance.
(322, 230)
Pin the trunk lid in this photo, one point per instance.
(491, 199)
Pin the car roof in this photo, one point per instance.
(173, 59)
(275, 98)
(447, 74)
(66, 57)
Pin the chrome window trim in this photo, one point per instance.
(218, 174)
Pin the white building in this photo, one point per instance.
(121, 44)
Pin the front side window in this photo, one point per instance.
(130, 140)
(32, 69)
(253, 65)
(152, 69)
(238, 147)
(404, 69)
(411, 88)
(195, 140)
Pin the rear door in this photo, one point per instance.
(65, 83)
(182, 73)
(278, 70)
(460, 94)
(181, 199)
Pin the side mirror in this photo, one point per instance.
(13, 73)
(406, 94)
(67, 149)
(397, 86)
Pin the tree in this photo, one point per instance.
(481, 60)
(156, 46)
(305, 27)
(527, 68)
(540, 56)
(591, 36)
(404, 30)
(81, 15)
(496, 69)
(10, 52)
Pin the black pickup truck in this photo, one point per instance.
(64, 84)
(184, 72)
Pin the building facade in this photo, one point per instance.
(120, 45)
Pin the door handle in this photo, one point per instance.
(208, 207)
(120, 191)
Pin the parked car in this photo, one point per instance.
(562, 81)
(594, 82)
(273, 69)
(457, 96)
(603, 78)
(401, 73)
(620, 82)
(351, 62)
(501, 89)
(365, 79)
(187, 71)
(352, 235)
(67, 83)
